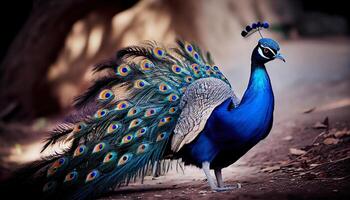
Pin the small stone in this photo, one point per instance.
(330, 141)
(287, 138)
(342, 133)
(297, 152)
(271, 169)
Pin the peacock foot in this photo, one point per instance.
(227, 187)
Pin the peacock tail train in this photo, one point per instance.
(124, 122)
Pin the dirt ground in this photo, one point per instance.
(306, 155)
(269, 171)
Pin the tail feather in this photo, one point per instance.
(135, 110)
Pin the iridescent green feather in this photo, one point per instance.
(123, 137)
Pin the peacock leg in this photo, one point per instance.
(220, 181)
(206, 169)
(218, 176)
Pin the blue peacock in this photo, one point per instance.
(156, 103)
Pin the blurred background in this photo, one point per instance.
(49, 46)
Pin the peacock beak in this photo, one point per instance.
(280, 56)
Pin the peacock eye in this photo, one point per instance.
(126, 139)
(125, 158)
(123, 70)
(111, 156)
(161, 136)
(99, 147)
(92, 175)
(159, 52)
(146, 65)
(134, 123)
(141, 132)
(71, 176)
(139, 84)
(142, 148)
(266, 51)
(80, 150)
(106, 94)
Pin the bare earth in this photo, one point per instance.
(306, 155)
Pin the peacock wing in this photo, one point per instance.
(197, 104)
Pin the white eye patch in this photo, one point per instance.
(261, 53)
(268, 49)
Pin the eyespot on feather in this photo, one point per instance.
(159, 52)
(133, 111)
(105, 94)
(188, 47)
(80, 150)
(124, 159)
(122, 105)
(161, 136)
(150, 112)
(57, 165)
(123, 70)
(141, 132)
(101, 113)
(146, 65)
(172, 110)
(164, 121)
(176, 69)
(142, 148)
(188, 79)
(126, 139)
(172, 97)
(110, 157)
(195, 67)
(113, 127)
(78, 127)
(164, 88)
(139, 84)
(92, 175)
(215, 68)
(99, 147)
(134, 123)
(71, 176)
(196, 56)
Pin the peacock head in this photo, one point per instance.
(267, 48)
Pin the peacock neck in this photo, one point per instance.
(253, 118)
(259, 86)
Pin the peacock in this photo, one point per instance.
(154, 104)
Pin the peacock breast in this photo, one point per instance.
(197, 105)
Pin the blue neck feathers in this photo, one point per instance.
(252, 119)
